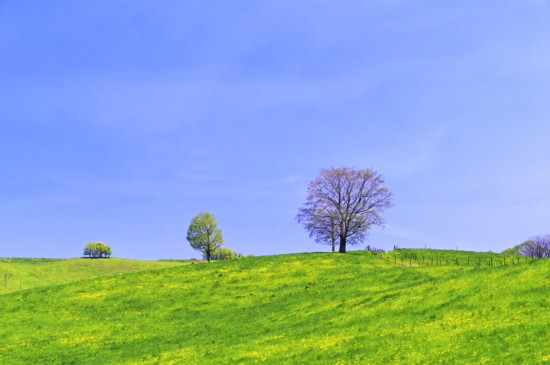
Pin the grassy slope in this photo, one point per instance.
(31, 273)
(308, 308)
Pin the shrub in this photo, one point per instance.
(223, 253)
(537, 246)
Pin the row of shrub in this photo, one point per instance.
(223, 253)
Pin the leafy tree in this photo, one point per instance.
(89, 249)
(223, 253)
(100, 249)
(204, 235)
(97, 249)
(108, 251)
(344, 203)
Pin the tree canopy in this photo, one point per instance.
(342, 204)
(204, 235)
(97, 249)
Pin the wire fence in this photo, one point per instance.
(419, 260)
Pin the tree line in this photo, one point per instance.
(97, 250)
(342, 204)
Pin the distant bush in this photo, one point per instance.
(223, 253)
(97, 249)
(515, 250)
(537, 246)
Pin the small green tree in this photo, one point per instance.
(100, 249)
(90, 249)
(108, 251)
(204, 235)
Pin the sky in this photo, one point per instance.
(121, 120)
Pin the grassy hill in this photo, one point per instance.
(304, 308)
(30, 273)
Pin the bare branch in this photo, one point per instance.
(537, 246)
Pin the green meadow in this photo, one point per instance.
(27, 273)
(314, 308)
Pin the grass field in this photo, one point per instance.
(320, 308)
(30, 273)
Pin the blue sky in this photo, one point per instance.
(121, 120)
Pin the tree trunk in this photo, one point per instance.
(342, 244)
(333, 245)
(208, 252)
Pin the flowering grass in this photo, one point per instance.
(27, 273)
(296, 309)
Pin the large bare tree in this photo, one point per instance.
(342, 204)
